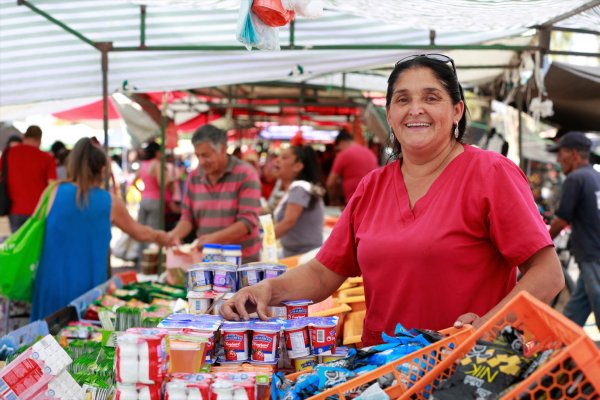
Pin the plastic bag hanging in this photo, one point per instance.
(272, 12)
(246, 33)
(267, 36)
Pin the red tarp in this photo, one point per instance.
(93, 110)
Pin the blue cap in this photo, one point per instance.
(232, 247)
(572, 140)
(212, 246)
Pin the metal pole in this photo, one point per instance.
(163, 129)
(520, 125)
(55, 21)
(142, 26)
(336, 47)
(104, 62)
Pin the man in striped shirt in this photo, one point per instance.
(222, 198)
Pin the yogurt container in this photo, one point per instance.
(297, 309)
(272, 270)
(322, 334)
(303, 363)
(235, 341)
(340, 352)
(225, 277)
(297, 341)
(232, 253)
(199, 302)
(249, 275)
(199, 278)
(265, 341)
(212, 252)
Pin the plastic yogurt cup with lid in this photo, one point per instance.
(297, 308)
(303, 363)
(249, 274)
(235, 340)
(232, 254)
(199, 277)
(272, 270)
(212, 252)
(265, 341)
(225, 277)
(297, 341)
(199, 302)
(322, 334)
(338, 354)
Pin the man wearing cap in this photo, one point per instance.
(580, 208)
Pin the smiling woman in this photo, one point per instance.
(433, 233)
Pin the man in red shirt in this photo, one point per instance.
(351, 164)
(29, 171)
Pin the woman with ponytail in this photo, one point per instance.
(77, 237)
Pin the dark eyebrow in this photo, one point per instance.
(428, 90)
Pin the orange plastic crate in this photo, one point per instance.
(573, 373)
(418, 363)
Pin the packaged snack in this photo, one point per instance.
(31, 372)
(141, 356)
(487, 370)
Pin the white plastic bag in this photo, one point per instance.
(245, 32)
(126, 248)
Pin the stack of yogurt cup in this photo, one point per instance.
(307, 339)
(217, 273)
(141, 363)
(251, 341)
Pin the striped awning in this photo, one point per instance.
(40, 61)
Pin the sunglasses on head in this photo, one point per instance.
(431, 56)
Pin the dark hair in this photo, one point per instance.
(33, 132)
(57, 147)
(211, 134)
(447, 77)
(343, 136)
(150, 150)
(84, 169)
(311, 171)
(13, 139)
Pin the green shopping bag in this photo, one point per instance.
(20, 254)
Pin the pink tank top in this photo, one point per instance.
(151, 185)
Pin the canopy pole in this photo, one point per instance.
(520, 124)
(163, 129)
(104, 47)
(142, 26)
(55, 21)
(292, 33)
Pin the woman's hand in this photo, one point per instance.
(250, 299)
(469, 318)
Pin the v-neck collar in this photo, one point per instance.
(408, 213)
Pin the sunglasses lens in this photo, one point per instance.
(432, 56)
